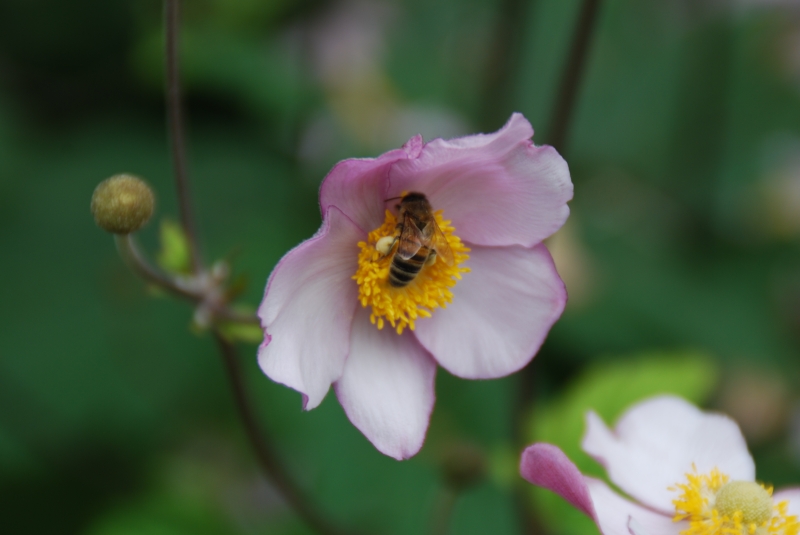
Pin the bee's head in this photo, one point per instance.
(413, 196)
(408, 198)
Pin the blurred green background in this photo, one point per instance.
(681, 257)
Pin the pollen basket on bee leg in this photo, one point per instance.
(384, 245)
(429, 289)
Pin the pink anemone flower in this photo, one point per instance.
(330, 315)
(688, 472)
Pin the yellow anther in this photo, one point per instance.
(430, 289)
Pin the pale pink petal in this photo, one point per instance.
(547, 466)
(386, 388)
(497, 189)
(657, 442)
(791, 495)
(307, 310)
(501, 313)
(358, 186)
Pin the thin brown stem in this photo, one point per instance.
(573, 74)
(265, 453)
(176, 131)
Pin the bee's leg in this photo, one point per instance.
(431, 258)
(384, 245)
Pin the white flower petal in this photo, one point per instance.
(792, 495)
(618, 516)
(657, 442)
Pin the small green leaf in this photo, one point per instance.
(174, 255)
(242, 332)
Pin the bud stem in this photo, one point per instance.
(135, 259)
(187, 287)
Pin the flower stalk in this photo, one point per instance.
(123, 204)
(573, 74)
(265, 453)
(176, 131)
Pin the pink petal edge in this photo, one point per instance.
(308, 308)
(358, 186)
(545, 465)
(498, 189)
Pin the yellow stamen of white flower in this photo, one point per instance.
(430, 289)
(713, 505)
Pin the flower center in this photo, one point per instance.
(713, 505)
(749, 497)
(430, 287)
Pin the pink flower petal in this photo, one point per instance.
(358, 186)
(501, 313)
(657, 442)
(387, 387)
(792, 495)
(546, 465)
(497, 189)
(307, 310)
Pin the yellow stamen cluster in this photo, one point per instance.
(430, 289)
(715, 506)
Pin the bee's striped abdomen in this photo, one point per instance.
(402, 271)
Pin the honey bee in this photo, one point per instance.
(418, 240)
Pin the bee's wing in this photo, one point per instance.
(440, 245)
(411, 239)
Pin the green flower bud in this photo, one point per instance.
(122, 204)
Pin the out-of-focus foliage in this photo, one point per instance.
(116, 418)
